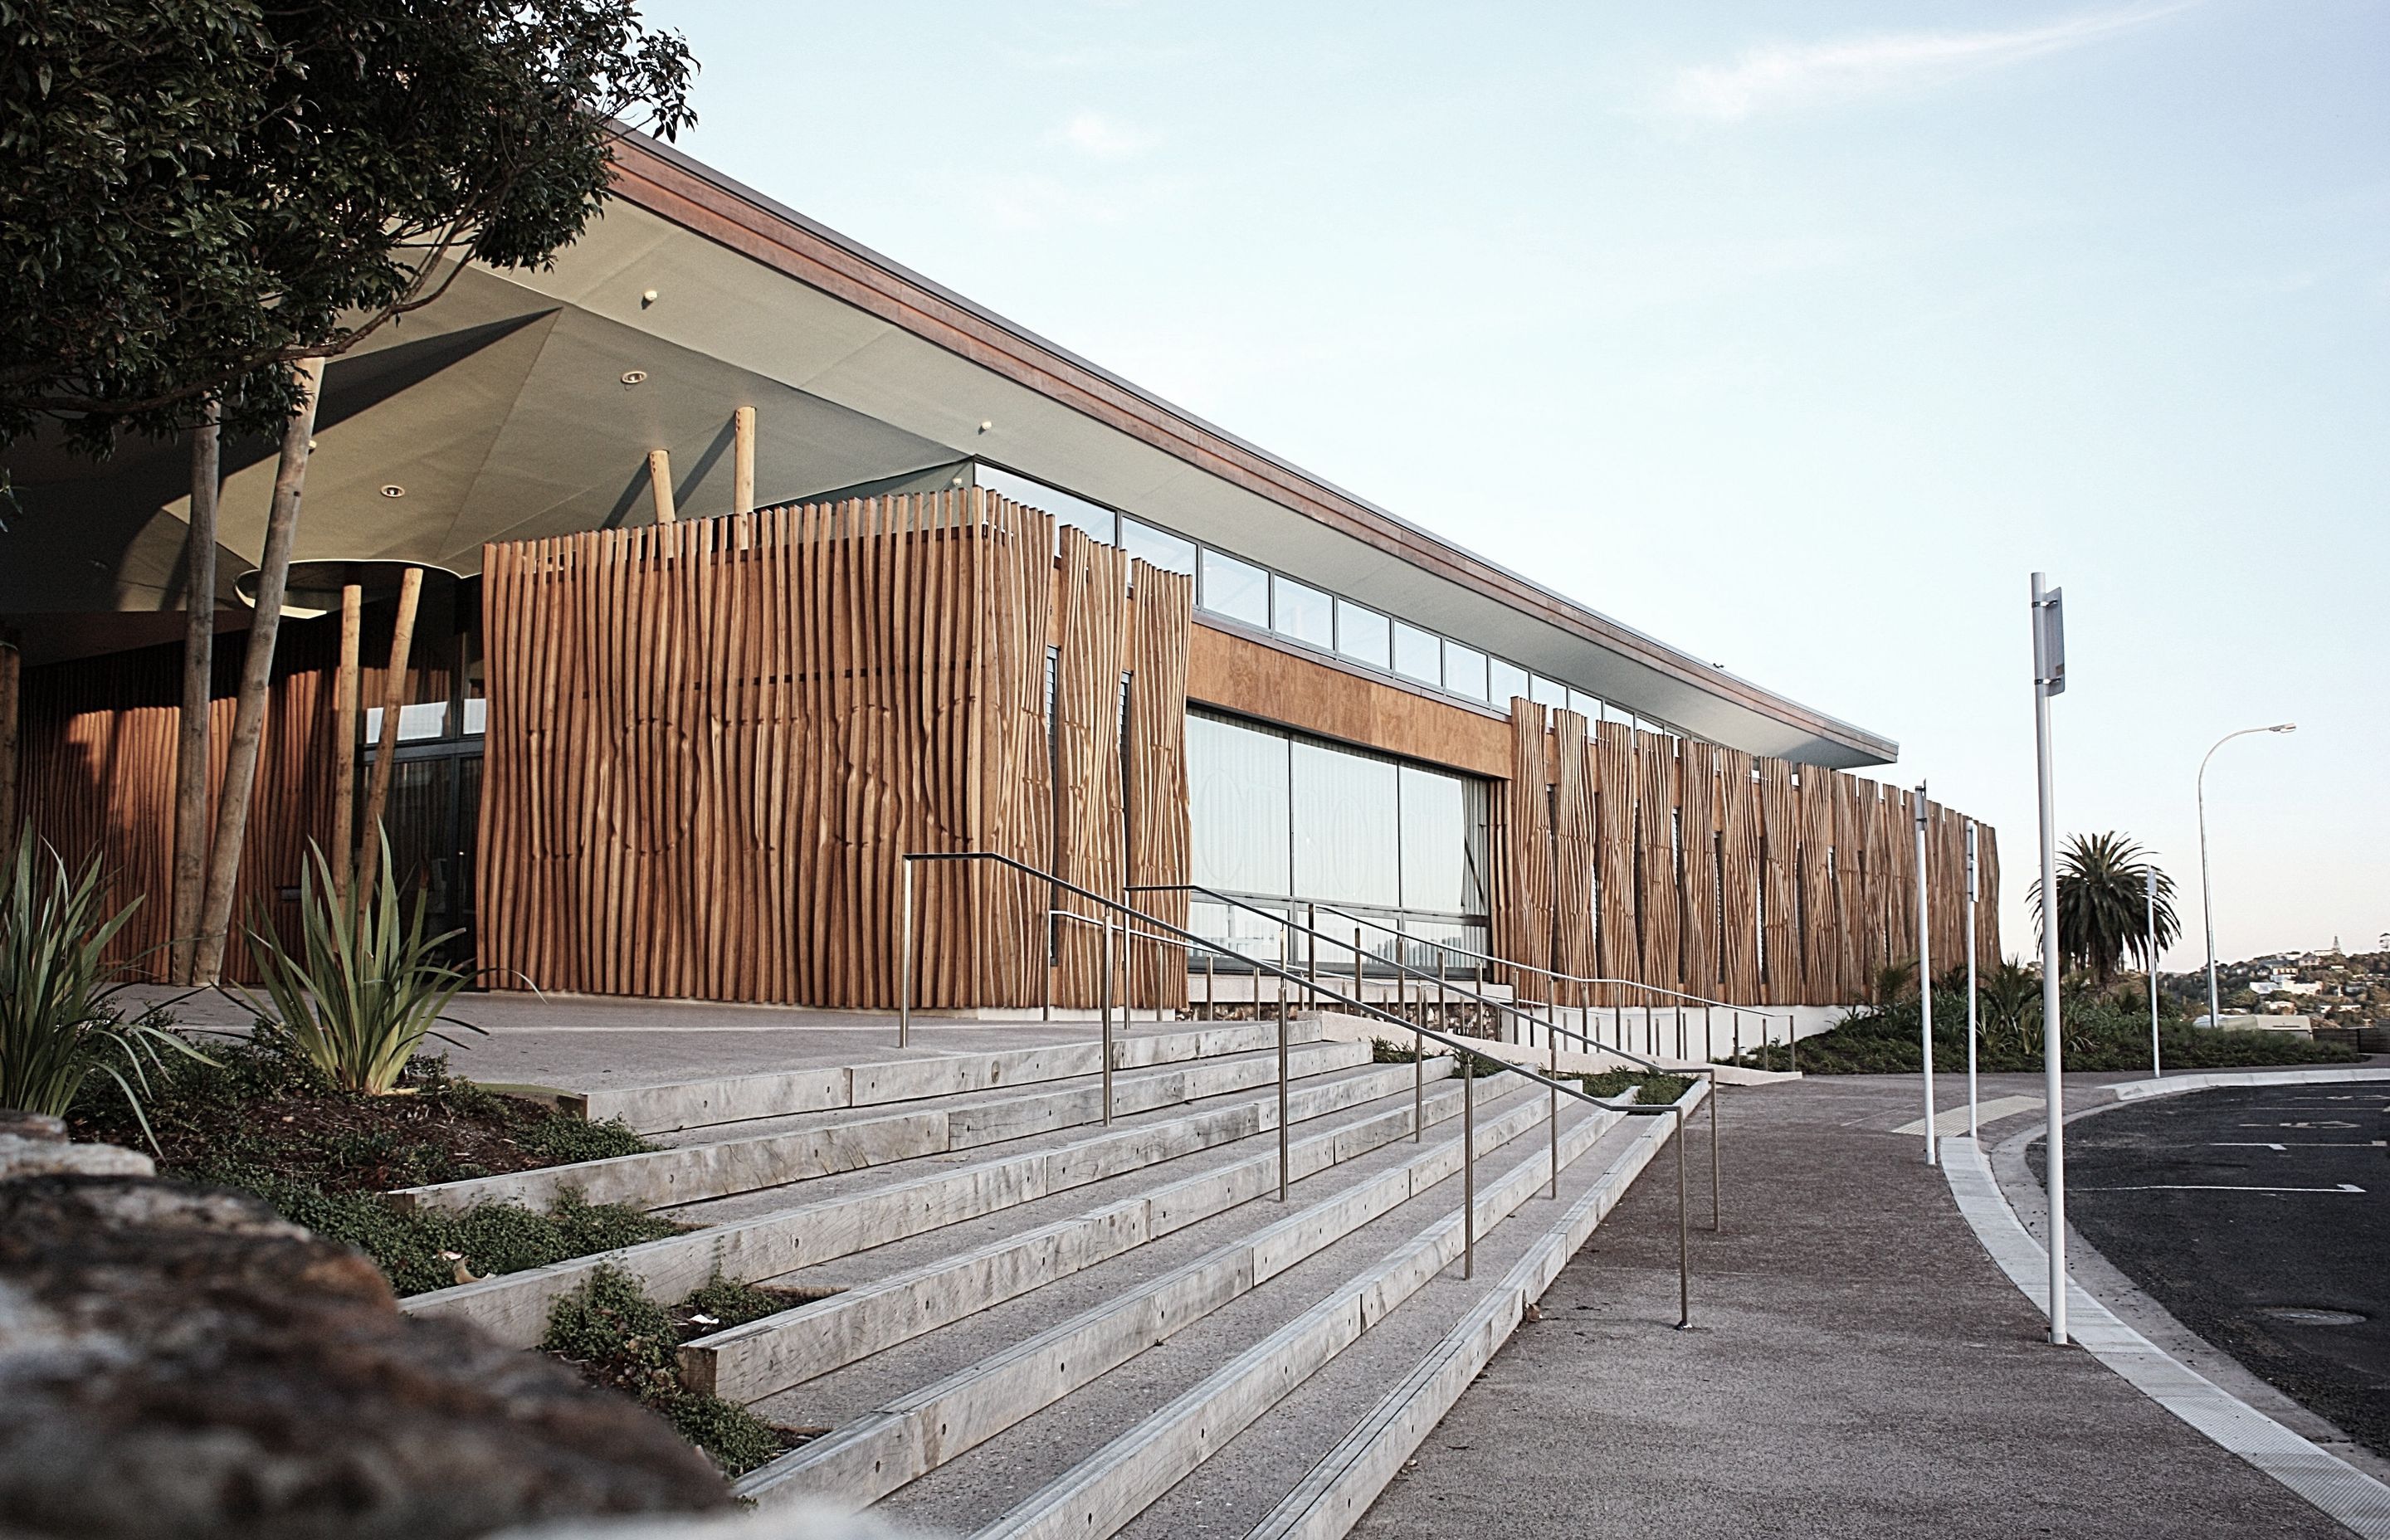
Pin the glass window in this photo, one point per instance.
(1435, 840)
(1101, 523)
(1586, 706)
(1298, 611)
(1418, 654)
(424, 719)
(1504, 680)
(1547, 692)
(1158, 548)
(1464, 670)
(1237, 806)
(1364, 636)
(1347, 830)
(1236, 589)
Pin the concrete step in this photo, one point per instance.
(1313, 1463)
(746, 1363)
(873, 1455)
(735, 1098)
(1231, 1372)
(765, 1234)
(795, 1147)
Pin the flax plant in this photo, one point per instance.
(365, 987)
(59, 1020)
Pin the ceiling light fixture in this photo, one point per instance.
(393, 490)
(648, 299)
(987, 425)
(633, 377)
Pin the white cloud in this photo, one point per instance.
(1092, 133)
(1796, 74)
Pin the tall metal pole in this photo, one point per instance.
(1925, 972)
(2050, 678)
(2150, 897)
(2207, 897)
(1971, 979)
(1467, 1167)
(1281, 1087)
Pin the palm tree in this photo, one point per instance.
(2102, 905)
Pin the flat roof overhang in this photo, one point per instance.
(503, 413)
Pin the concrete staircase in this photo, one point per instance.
(1028, 1323)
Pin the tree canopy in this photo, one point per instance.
(195, 194)
(2103, 904)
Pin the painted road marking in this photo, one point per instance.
(1954, 1119)
(2198, 1187)
(2313, 1144)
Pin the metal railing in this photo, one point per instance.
(1553, 1029)
(1585, 1009)
(1466, 1056)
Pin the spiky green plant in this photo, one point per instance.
(58, 1018)
(365, 987)
(2012, 1002)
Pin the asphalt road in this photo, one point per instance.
(1860, 1369)
(2260, 1219)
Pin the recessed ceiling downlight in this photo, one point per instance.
(393, 490)
(633, 377)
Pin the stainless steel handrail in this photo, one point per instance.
(1791, 1022)
(1464, 1057)
(1553, 1029)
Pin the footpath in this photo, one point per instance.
(1858, 1366)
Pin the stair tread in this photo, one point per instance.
(1011, 1467)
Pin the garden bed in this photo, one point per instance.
(260, 1119)
(2100, 1035)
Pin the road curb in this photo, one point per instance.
(2348, 1495)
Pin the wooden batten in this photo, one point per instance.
(394, 696)
(345, 705)
(743, 460)
(660, 489)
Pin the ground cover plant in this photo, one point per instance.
(1653, 1087)
(259, 1116)
(2101, 1033)
(617, 1337)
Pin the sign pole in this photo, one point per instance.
(1971, 979)
(2049, 679)
(2150, 892)
(1924, 974)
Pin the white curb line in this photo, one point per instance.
(2322, 1478)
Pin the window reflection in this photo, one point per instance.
(1236, 589)
(1237, 806)
(1347, 831)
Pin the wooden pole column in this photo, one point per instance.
(346, 693)
(402, 646)
(743, 460)
(659, 484)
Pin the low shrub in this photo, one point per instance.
(1653, 1087)
(617, 1337)
(2100, 1035)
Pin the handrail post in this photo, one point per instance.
(1281, 1089)
(1311, 949)
(1718, 1179)
(1443, 1000)
(1468, 1168)
(905, 951)
(1684, 1249)
(1554, 1089)
(1046, 964)
(1104, 1004)
(1210, 984)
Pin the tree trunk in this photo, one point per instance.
(344, 746)
(256, 677)
(393, 703)
(199, 673)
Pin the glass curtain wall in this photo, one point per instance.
(1285, 822)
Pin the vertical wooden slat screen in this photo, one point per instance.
(1523, 918)
(1162, 615)
(1987, 898)
(1656, 881)
(1618, 952)
(1091, 631)
(1738, 877)
(711, 741)
(1572, 849)
(1779, 852)
(1697, 830)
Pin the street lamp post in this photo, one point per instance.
(2207, 897)
(1924, 974)
(2150, 902)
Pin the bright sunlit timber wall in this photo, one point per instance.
(1672, 862)
(710, 742)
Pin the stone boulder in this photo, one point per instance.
(178, 1362)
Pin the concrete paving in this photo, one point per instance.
(1859, 1368)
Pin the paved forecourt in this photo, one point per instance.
(1859, 1368)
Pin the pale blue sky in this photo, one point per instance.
(1796, 335)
